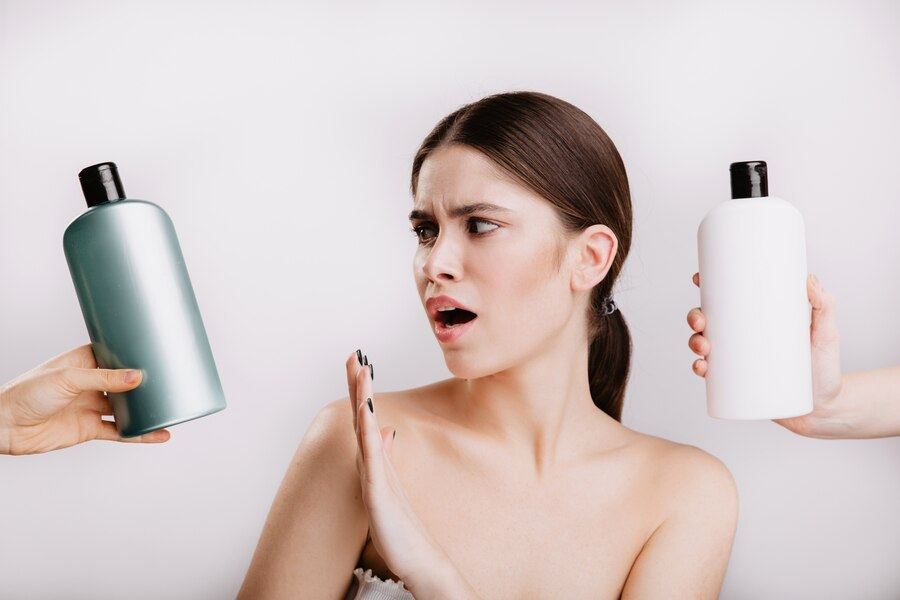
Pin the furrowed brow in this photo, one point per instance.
(461, 211)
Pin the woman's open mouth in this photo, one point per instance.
(450, 325)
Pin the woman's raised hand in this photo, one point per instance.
(825, 357)
(397, 533)
(60, 403)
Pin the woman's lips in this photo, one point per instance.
(447, 335)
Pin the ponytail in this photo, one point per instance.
(609, 354)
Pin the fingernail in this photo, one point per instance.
(359, 356)
(815, 281)
(365, 360)
(395, 434)
(371, 408)
(372, 371)
(132, 375)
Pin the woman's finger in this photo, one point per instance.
(696, 279)
(370, 432)
(388, 436)
(363, 392)
(370, 440)
(352, 365)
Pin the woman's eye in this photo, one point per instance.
(419, 230)
(485, 223)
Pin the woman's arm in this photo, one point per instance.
(317, 524)
(687, 554)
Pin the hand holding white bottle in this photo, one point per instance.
(863, 404)
(752, 252)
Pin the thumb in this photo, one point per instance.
(387, 440)
(102, 380)
(823, 329)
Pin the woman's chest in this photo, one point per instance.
(573, 535)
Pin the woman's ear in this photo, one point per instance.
(596, 249)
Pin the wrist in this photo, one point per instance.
(869, 403)
(838, 415)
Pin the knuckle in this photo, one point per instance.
(65, 375)
(110, 378)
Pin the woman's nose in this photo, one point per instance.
(442, 261)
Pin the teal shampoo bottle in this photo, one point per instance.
(139, 306)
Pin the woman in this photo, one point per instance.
(514, 478)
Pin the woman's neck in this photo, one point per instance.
(539, 412)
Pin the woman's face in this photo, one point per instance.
(499, 263)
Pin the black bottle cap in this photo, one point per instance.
(100, 183)
(749, 179)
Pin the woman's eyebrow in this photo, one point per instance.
(461, 211)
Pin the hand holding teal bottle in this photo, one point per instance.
(139, 306)
(60, 403)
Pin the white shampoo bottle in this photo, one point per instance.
(752, 254)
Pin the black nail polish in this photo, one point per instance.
(359, 356)
(365, 360)
(372, 371)
(371, 408)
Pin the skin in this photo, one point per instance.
(865, 404)
(504, 481)
(60, 403)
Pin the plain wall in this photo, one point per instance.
(279, 137)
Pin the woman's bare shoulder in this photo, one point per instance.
(694, 512)
(682, 472)
(670, 451)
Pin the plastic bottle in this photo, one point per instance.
(753, 272)
(139, 306)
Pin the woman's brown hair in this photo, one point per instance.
(560, 152)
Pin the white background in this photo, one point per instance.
(279, 137)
